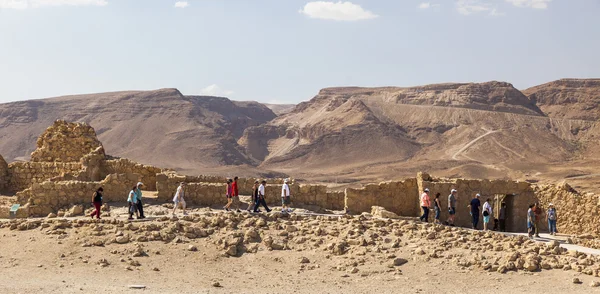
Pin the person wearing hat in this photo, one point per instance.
(451, 207)
(551, 216)
(285, 197)
(138, 194)
(475, 204)
(178, 199)
(425, 205)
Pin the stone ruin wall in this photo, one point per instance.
(4, 175)
(65, 142)
(398, 197)
(213, 193)
(47, 197)
(577, 213)
(516, 207)
(126, 166)
(21, 175)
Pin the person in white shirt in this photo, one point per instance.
(178, 199)
(285, 197)
(260, 198)
(487, 214)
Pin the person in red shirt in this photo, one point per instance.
(235, 194)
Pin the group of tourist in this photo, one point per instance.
(534, 214)
(233, 201)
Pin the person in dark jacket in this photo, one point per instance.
(138, 194)
(97, 202)
(254, 196)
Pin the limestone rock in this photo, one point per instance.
(378, 211)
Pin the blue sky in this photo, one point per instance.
(286, 50)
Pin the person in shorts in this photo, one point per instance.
(531, 221)
(285, 197)
(178, 199)
(487, 214)
(451, 207)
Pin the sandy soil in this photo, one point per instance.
(37, 260)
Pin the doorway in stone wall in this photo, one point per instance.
(507, 199)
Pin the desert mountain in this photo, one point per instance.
(476, 130)
(568, 98)
(161, 127)
(280, 109)
(345, 135)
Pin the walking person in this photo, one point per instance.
(538, 218)
(531, 221)
(132, 201)
(178, 199)
(235, 194)
(487, 214)
(425, 205)
(254, 197)
(551, 216)
(451, 207)
(229, 194)
(437, 208)
(285, 197)
(260, 199)
(140, 205)
(97, 202)
(502, 217)
(475, 204)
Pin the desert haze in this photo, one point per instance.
(342, 135)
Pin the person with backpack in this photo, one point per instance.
(97, 202)
(260, 199)
(551, 216)
(178, 199)
(487, 214)
(132, 201)
(475, 204)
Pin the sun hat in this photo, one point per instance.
(453, 190)
(140, 184)
(478, 195)
(426, 190)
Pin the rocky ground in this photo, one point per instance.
(211, 251)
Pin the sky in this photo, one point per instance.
(285, 51)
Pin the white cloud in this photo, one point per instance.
(24, 4)
(467, 7)
(427, 5)
(495, 12)
(341, 11)
(215, 90)
(536, 4)
(181, 4)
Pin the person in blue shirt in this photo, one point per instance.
(132, 201)
(140, 205)
(475, 204)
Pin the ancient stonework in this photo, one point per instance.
(4, 179)
(65, 142)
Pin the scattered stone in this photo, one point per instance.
(399, 261)
(192, 248)
(304, 260)
(595, 284)
(576, 281)
(216, 285)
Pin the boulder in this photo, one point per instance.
(378, 211)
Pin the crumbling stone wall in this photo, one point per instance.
(43, 198)
(147, 172)
(4, 175)
(517, 205)
(21, 175)
(65, 142)
(203, 193)
(577, 212)
(398, 197)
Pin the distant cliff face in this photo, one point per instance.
(161, 127)
(568, 98)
